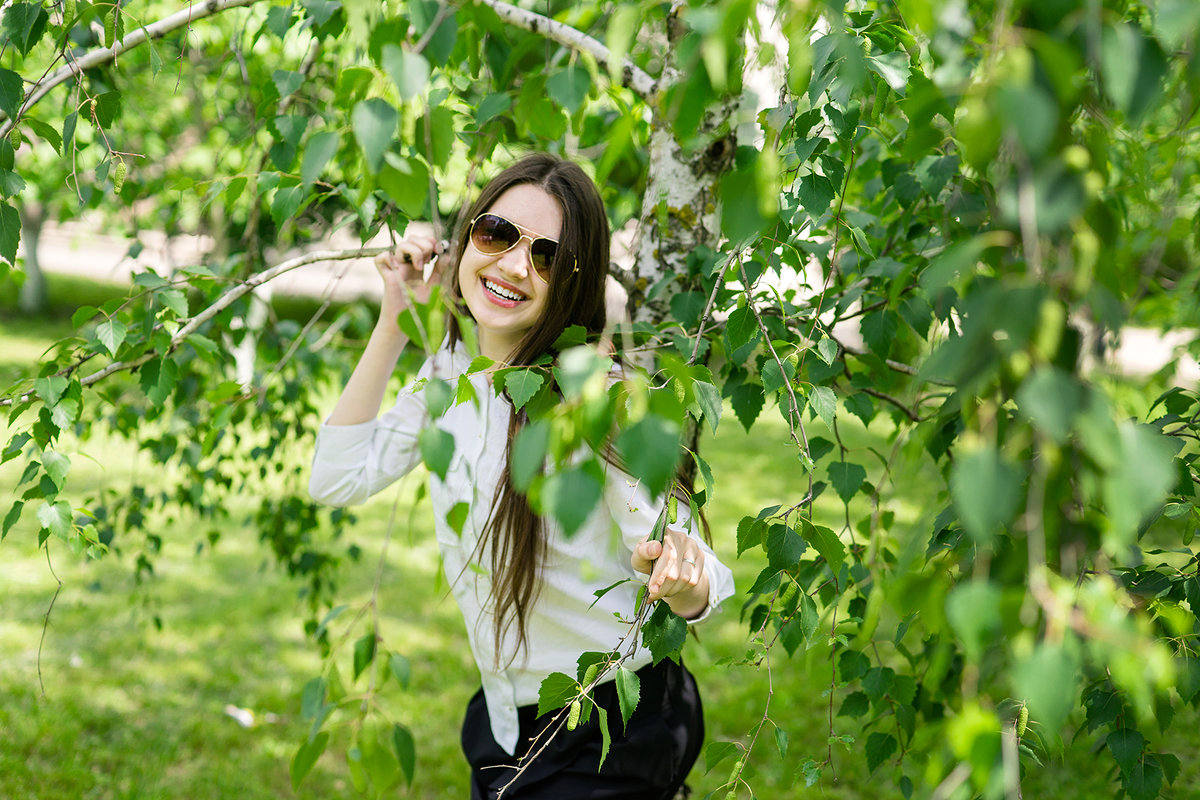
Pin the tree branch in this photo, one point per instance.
(103, 55)
(223, 302)
(632, 76)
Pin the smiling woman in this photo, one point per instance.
(531, 262)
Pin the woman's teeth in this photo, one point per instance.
(500, 291)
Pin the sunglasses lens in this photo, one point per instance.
(542, 253)
(492, 235)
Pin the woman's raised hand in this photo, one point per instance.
(676, 569)
(403, 271)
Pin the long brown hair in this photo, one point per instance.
(514, 534)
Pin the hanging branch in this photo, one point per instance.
(632, 76)
(103, 55)
(224, 301)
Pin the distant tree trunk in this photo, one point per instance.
(33, 296)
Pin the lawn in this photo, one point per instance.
(188, 684)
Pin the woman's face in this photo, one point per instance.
(503, 293)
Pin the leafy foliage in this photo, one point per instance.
(929, 227)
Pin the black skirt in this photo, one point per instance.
(649, 760)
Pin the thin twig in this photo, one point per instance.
(46, 619)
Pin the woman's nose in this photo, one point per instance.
(516, 260)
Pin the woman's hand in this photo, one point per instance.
(676, 569)
(403, 270)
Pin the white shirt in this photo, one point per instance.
(353, 462)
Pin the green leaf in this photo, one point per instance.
(492, 106)
(605, 734)
(650, 449)
(1132, 66)
(406, 751)
(408, 70)
(774, 379)
(747, 401)
(12, 93)
(987, 492)
(456, 517)
(364, 653)
(57, 466)
(1138, 480)
(879, 331)
(401, 669)
(664, 633)
(827, 543)
(892, 67)
(312, 698)
(716, 752)
(629, 692)
(555, 691)
(709, 398)
(11, 518)
(10, 233)
(56, 518)
(855, 705)
(321, 147)
(880, 747)
(569, 496)
(1126, 746)
(306, 757)
(741, 327)
(279, 19)
(784, 547)
(824, 402)
(286, 82)
(374, 122)
(816, 192)
(158, 378)
(111, 333)
(973, 609)
(1050, 399)
(847, 478)
(750, 533)
(437, 450)
(176, 300)
(827, 350)
(1047, 680)
(106, 108)
(522, 384)
(529, 449)
(287, 202)
(569, 87)
(781, 741)
(406, 181)
(23, 25)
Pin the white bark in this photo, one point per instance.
(632, 76)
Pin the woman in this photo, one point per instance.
(532, 260)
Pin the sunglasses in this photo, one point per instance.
(492, 235)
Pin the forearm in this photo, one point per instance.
(363, 395)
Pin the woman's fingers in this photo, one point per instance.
(674, 565)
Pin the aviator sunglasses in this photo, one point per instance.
(493, 235)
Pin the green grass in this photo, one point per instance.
(132, 709)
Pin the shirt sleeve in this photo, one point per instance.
(353, 462)
(635, 513)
